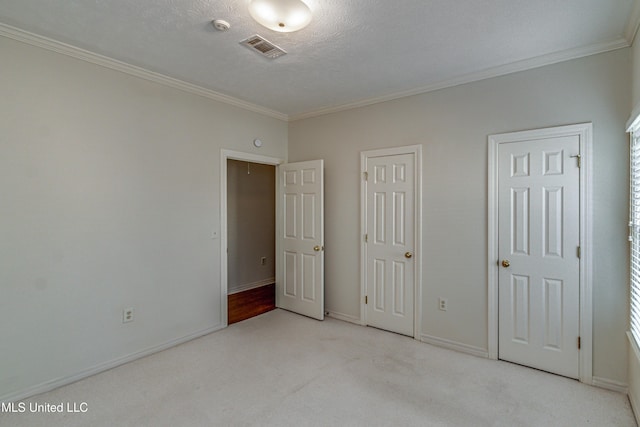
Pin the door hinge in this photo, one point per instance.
(578, 252)
(579, 159)
(366, 238)
(366, 299)
(365, 174)
(579, 343)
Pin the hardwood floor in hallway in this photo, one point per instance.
(253, 302)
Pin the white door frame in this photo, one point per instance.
(584, 131)
(416, 150)
(245, 157)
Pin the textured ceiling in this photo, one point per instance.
(353, 50)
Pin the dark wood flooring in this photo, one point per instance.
(247, 304)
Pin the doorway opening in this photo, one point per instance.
(251, 239)
(248, 235)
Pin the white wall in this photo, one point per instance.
(635, 71)
(452, 125)
(251, 224)
(109, 193)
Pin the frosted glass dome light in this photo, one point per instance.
(284, 16)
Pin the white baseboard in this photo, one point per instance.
(248, 286)
(605, 383)
(635, 405)
(612, 385)
(454, 345)
(634, 363)
(345, 317)
(59, 382)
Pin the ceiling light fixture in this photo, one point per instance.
(284, 16)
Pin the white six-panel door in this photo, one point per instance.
(390, 246)
(539, 266)
(300, 276)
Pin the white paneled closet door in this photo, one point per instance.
(390, 246)
(539, 266)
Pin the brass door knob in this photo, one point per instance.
(317, 248)
(505, 263)
(408, 254)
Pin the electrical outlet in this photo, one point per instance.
(127, 315)
(442, 304)
(263, 260)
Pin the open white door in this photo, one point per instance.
(300, 269)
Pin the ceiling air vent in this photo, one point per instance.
(263, 47)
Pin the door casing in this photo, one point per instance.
(416, 150)
(246, 157)
(584, 131)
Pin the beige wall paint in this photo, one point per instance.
(635, 80)
(452, 125)
(251, 223)
(109, 191)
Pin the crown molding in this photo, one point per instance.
(104, 61)
(631, 30)
(502, 70)
(633, 22)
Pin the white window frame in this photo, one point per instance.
(634, 229)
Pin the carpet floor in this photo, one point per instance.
(281, 369)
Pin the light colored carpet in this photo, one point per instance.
(281, 369)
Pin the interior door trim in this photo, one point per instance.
(584, 131)
(245, 157)
(416, 150)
